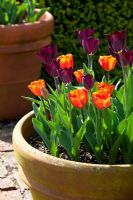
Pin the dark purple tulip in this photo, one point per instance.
(117, 41)
(52, 68)
(66, 75)
(88, 81)
(126, 57)
(86, 33)
(48, 53)
(90, 45)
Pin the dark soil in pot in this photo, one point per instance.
(84, 155)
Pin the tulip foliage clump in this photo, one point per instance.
(97, 115)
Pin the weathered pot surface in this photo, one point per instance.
(19, 63)
(27, 31)
(51, 178)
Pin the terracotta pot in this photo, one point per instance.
(19, 64)
(51, 178)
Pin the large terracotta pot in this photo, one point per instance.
(51, 178)
(19, 64)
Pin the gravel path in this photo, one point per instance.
(11, 185)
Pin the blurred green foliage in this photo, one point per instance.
(17, 12)
(105, 16)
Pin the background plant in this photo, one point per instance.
(15, 12)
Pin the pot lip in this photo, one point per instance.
(26, 148)
(47, 16)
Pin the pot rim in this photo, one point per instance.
(47, 16)
(24, 35)
(26, 148)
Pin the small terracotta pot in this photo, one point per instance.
(51, 178)
(19, 64)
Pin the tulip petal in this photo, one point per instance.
(79, 75)
(36, 87)
(66, 75)
(48, 53)
(101, 99)
(107, 63)
(117, 41)
(78, 97)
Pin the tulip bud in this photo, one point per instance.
(88, 81)
(44, 93)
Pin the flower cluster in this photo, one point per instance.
(96, 114)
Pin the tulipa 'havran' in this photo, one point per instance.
(98, 115)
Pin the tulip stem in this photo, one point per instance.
(70, 113)
(90, 61)
(57, 84)
(82, 114)
(98, 122)
(98, 134)
(108, 76)
(42, 100)
(124, 80)
(49, 105)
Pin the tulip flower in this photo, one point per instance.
(66, 61)
(44, 93)
(79, 75)
(66, 75)
(78, 97)
(117, 41)
(88, 42)
(126, 57)
(66, 65)
(90, 45)
(105, 86)
(48, 54)
(86, 33)
(52, 68)
(88, 81)
(107, 63)
(101, 99)
(36, 87)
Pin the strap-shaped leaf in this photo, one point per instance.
(31, 99)
(129, 93)
(121, 129)
(39, 127)
(64, 117)
(119, 94)
(76, 119)
(53, 144)
(118, 109)
(129, 135)
(78, 138)
(91, 139)
(114, 150)
(65, 139)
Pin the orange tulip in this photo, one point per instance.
(79, 97)
(107, 62)
(101, 99)
(36, 87)
(106, 86)
(66, 61)
(79, 75)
